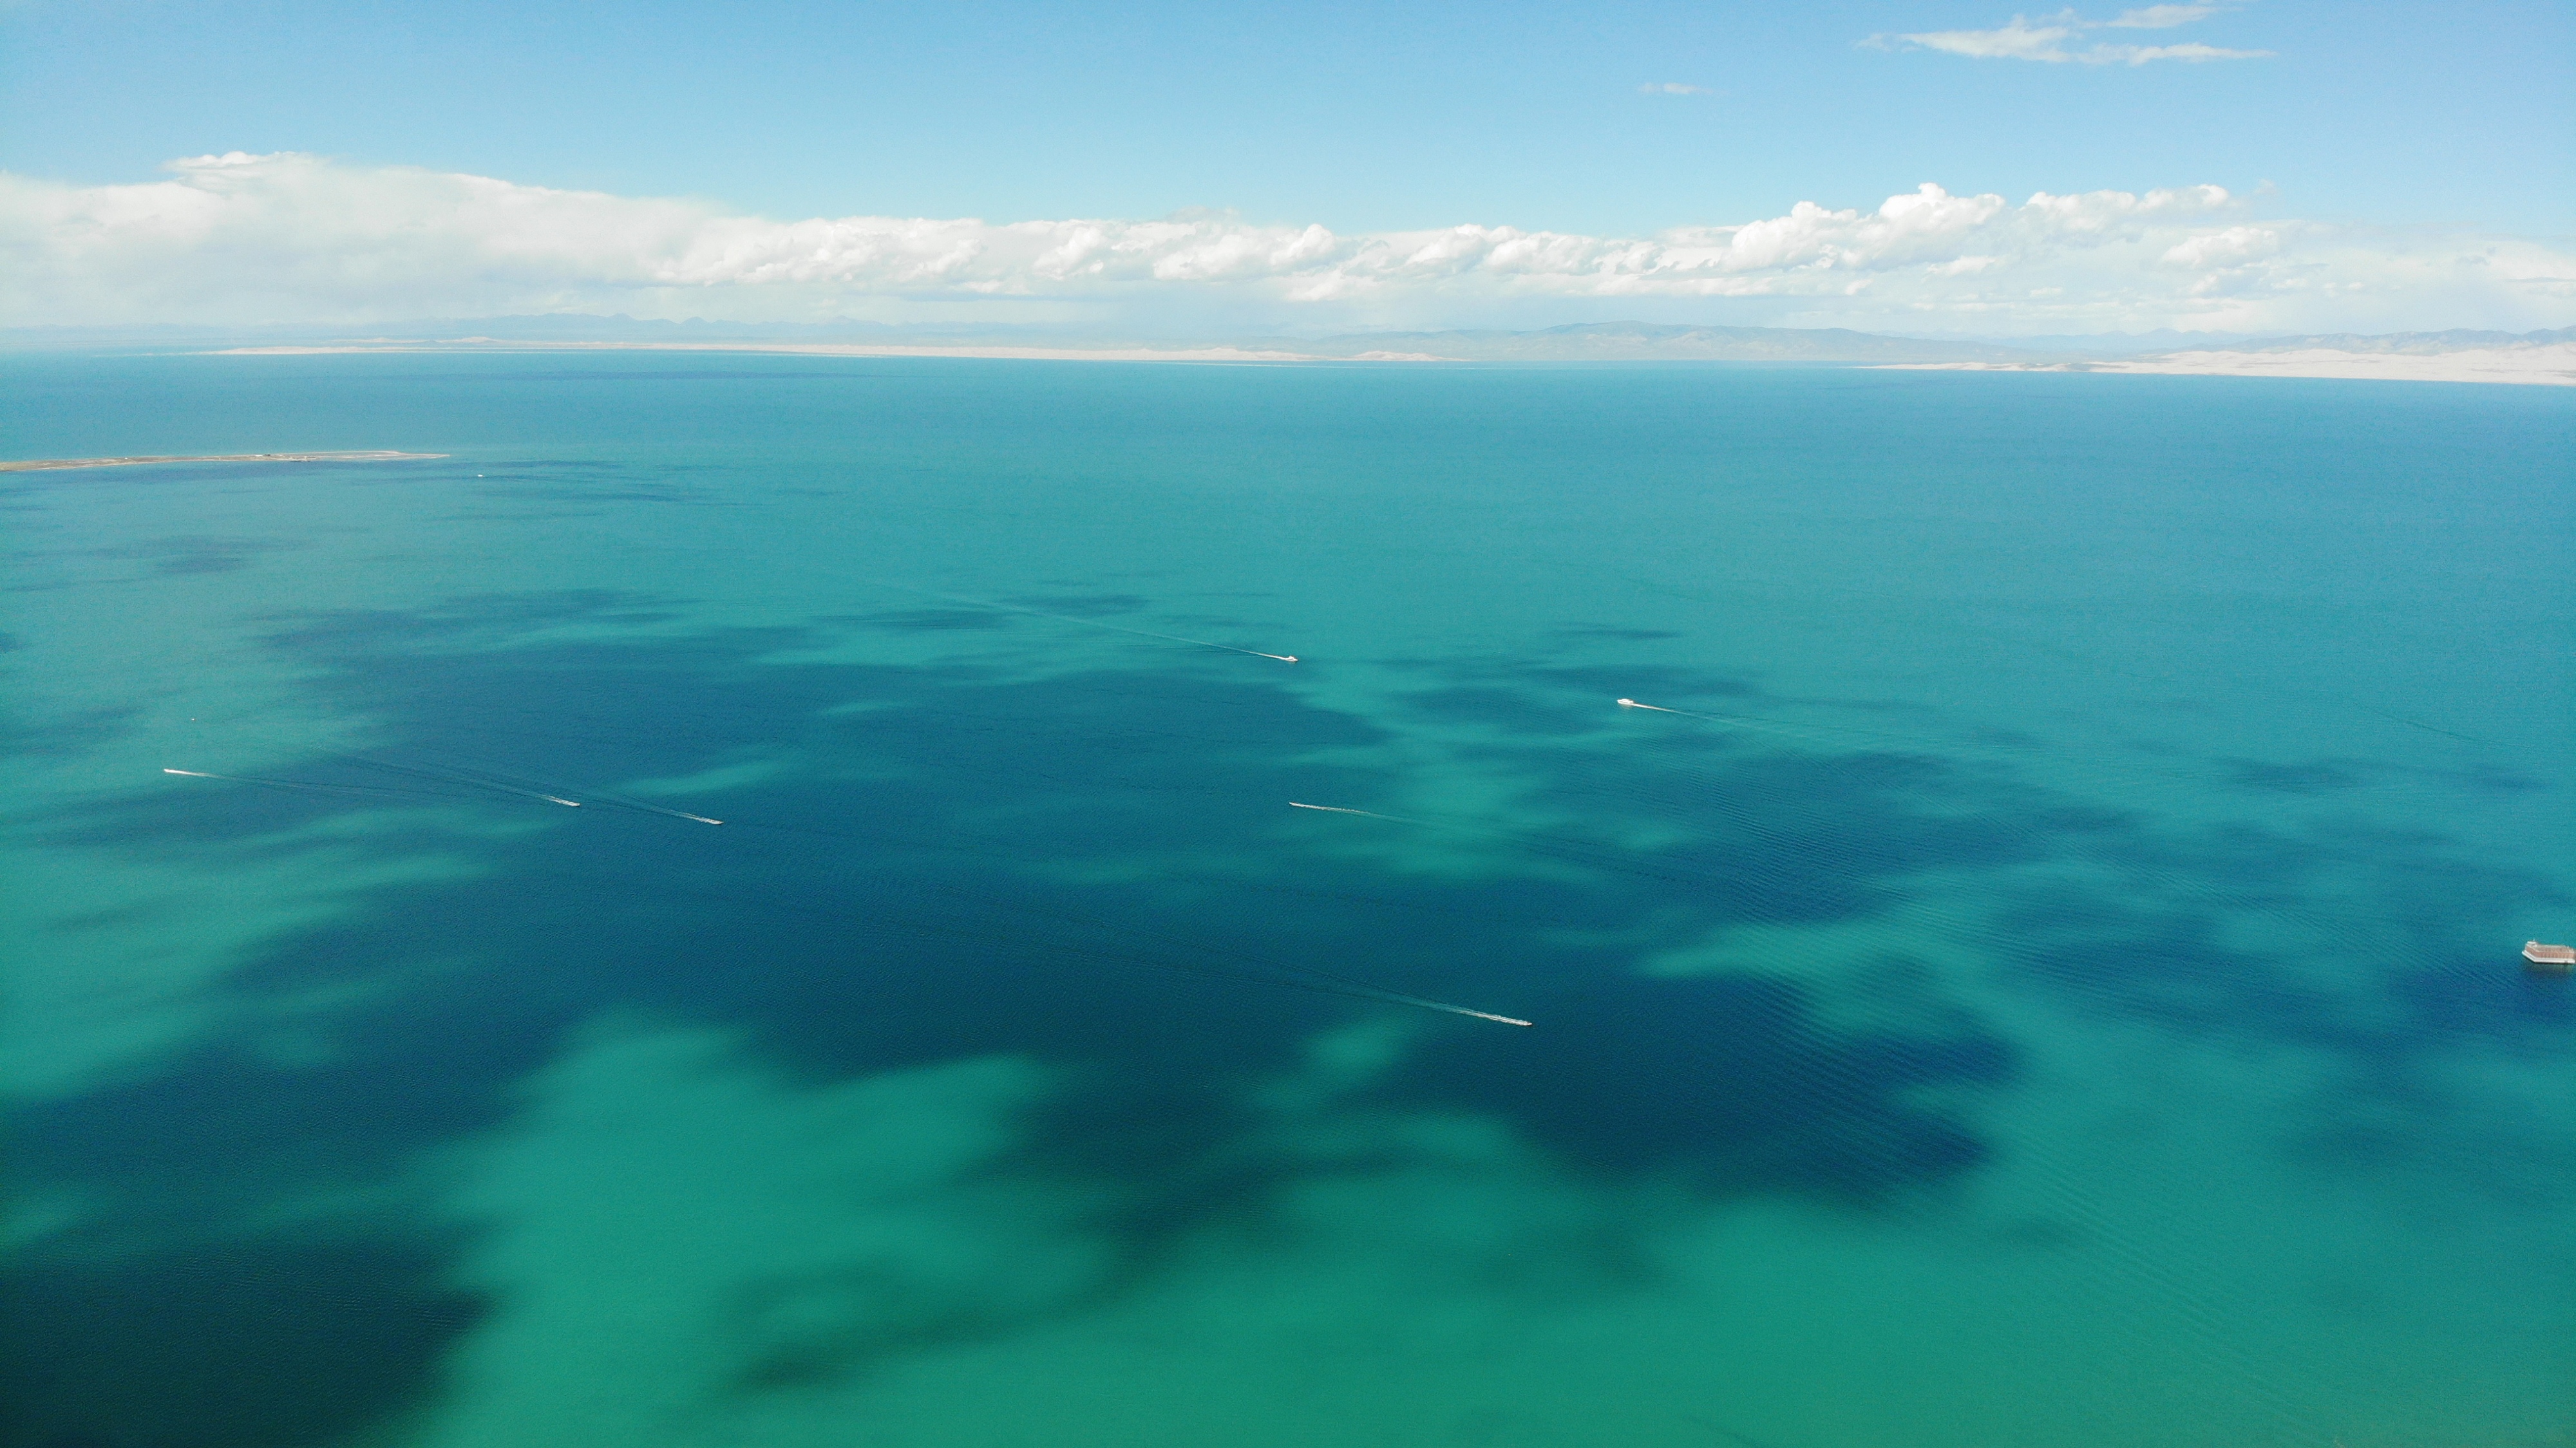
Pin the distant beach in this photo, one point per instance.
(2547, 366)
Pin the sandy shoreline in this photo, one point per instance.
(35, 465)
(2547, 366)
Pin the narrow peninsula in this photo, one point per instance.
(42, 464)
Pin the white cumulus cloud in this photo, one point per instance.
(2020, 40)
(2235, 246)
(2049, 39)
(2160, 17)
(294, 238)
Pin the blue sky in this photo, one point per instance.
(1362, 119)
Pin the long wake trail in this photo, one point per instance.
(1734, 722)
(551, 792)
(309, 786)
(468, 779)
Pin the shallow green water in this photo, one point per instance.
(2055, 983)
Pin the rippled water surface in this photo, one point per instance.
(2045, 974)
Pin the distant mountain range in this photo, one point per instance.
(2107, 344)
(1644, 342)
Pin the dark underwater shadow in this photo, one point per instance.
(1728, 1081)
(250, 1343)
(181, 556)
(892, 888)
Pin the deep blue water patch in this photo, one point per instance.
(1726, 1082)
(257, 1342)
(880, 904)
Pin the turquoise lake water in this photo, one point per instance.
(2054, 981)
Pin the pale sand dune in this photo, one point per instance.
(2551, 365)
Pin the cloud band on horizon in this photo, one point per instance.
(298, 238)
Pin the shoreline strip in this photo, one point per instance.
(34, 465)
